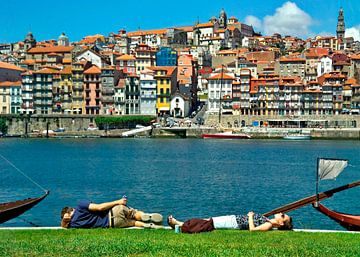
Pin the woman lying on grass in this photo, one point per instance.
(251, 222)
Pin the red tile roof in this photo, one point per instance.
(205, 25)
(223, 76)
(9, 66)
(125, 57)
(93, 70)
(169, 69)
(10, 83)
(51, 49)
(316, 52)
(147, 32)
(46, 71)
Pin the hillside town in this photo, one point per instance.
(221, 65)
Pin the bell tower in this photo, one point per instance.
(340, 28)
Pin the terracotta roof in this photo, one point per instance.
(291, 59)
(46, 71)
(186, 28)
(146, 32)
(316, 52)
(51, 49)
(9, 66)
(10, 83)
(205, 25)
(169, 69)
(66, 70)
(355, 56)
(91, 39)
(29, 61)
(93, 70)
(223, 76)
(334, 75)
(125, 57)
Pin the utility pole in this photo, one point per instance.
(221, 84)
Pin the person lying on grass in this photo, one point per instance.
(110, 214)
(251, 222)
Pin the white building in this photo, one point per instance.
(179, 106)
(219, 85)
(92, 57)
(324, 66)
(147, 92)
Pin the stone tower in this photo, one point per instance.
(29, 41)
(223, 19)
(340, 28)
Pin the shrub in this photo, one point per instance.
(119, 122)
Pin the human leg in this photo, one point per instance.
(148, 217)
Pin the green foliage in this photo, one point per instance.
(123, 242)
(123, 121)
(3, 126)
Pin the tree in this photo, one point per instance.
(3, 126)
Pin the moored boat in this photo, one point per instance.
(348, 221)
(297, 137)
(226, 135)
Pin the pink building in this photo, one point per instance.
(92, 83)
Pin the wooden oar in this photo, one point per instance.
(311, 199)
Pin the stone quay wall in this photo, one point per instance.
(23, 124)
(336, 121)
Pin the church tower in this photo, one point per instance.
(223, 19)
(29, 41)
(340, 29)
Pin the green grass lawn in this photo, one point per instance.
(120, 242)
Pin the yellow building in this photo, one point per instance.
(5, 97)
(166, 84)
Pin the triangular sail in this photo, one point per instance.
(331, 168)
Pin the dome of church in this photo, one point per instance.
(62, 36)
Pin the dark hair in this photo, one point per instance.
(287, 225)
(65, 221)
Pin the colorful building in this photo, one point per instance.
(92, 87)
(166, 56)
(166, 84)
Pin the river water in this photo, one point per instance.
(183, 177)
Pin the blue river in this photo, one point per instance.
(184, 177)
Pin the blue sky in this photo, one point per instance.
(78, 18)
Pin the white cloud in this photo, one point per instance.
(288, 19)
(353, 32)
(254, 21)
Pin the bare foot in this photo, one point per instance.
(172, 222)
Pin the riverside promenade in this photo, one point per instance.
(319, 127)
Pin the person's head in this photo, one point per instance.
(66, 214)
(284, 221)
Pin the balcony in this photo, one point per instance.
(107, 99)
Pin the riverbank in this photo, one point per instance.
(196, 132)
(118, 242)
